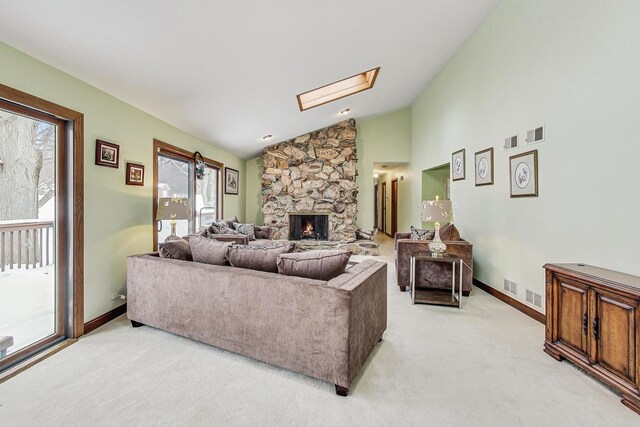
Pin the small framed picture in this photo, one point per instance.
(107, 154)
(523, 171)
(484, 167)
(135, 174)
(457, 165)
(231, 181)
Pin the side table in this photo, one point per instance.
(437, 297)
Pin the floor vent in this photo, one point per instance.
(511, 287)
(534, 298)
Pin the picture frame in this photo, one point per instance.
(523, 174)
(458, 165)
(135, 174)
(107, 154)
(231, 181)
(484, 167)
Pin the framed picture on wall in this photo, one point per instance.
(231, 181)
(523, 171)
(484, 167)
(107, 154)
(458, 165)
(135, 174)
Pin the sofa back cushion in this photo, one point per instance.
(175, 248)
(262, 231)
(449, 233)
(262, 258)
(209, 251)
(319, 265)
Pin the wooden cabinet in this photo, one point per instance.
(593, 316)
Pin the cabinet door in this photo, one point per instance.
(572, 321)
(614, 330)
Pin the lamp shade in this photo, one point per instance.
(437, 211)
(173, 208)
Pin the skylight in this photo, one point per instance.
(337, 90)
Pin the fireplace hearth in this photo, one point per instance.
(308, 226)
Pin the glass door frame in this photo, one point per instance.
(162, 148)
(69, 222)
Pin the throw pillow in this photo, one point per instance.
(262, 258)
(246, 229)
(449, 233)
(417, 234)
(209, 251)
(262, 232)
(319, 265)
(221, 227)
(175, 248)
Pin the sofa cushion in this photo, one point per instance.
(319, 265)
(262, 258)
(209, 251)
(231, 221)
(222, 227)
(246, 229)
(175, 248)
(262, 232)
(449, 233)
(418, 234)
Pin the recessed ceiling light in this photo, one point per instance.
(337, 90)
(345, 111)
(267, 137)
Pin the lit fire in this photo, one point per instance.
(307, 230)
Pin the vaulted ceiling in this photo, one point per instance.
(229, 72)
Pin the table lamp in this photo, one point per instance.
(173, 209)
(437, 211)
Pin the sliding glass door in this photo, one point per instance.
(32, 267)
(175, 178)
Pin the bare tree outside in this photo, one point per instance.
(27, 170)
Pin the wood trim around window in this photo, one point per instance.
(71, 129)
(158, 147)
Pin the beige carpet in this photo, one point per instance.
(439, 366)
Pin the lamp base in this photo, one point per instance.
(436, 246)
(173, 227)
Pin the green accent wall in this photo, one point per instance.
(254, 191)
(117, 217)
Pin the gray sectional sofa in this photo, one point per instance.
(324, 329)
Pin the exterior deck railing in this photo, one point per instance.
(26, 244)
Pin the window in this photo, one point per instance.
(337, 90)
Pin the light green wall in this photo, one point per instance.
(117, 216)
(572, 65)
(254, 191)
(384, 138)
(433, 184)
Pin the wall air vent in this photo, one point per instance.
(511, 142)
(337, 90)
(535, 135)
(534, 298)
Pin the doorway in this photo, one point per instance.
(41, 223)
(394, 207)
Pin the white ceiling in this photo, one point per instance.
(229, 71)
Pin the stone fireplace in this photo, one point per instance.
(308, 226)
(313, 174)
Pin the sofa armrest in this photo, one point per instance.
(239, 239)
(367, 284)
(399, 235)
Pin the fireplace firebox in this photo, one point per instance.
(308, 226)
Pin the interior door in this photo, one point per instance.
(614, 328)
(383, 201)
(375, 206)
(573, 315)
(394, 207)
